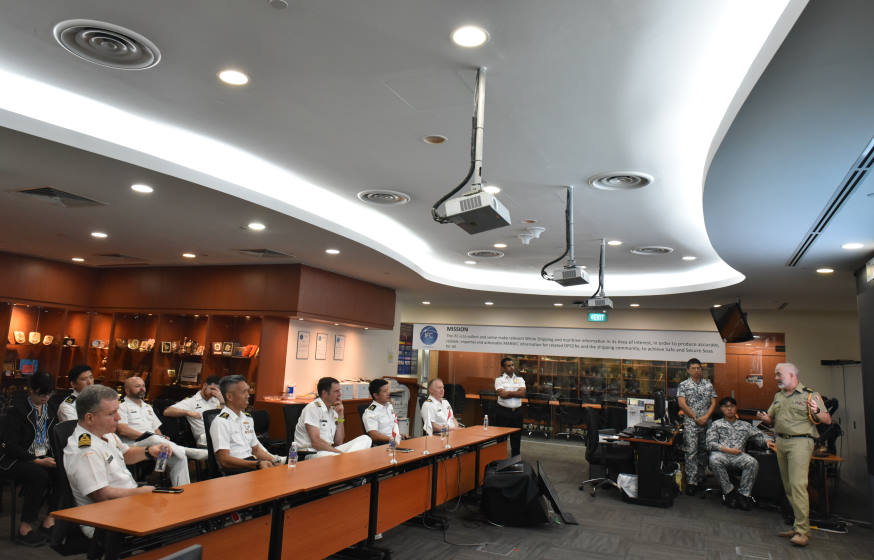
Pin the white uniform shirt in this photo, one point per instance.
(319, 415)
(510, 384)
(198, 404)
(67, 408)
(93, 463)
(436, 412)
(234, 432)
(381, 418)
(141, 417)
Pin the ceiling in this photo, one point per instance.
(340, 98)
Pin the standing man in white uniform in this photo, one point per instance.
(379, 419)
(234, 441)
(321, 423)
(436, 411)
(208, 398)
(139, 426)
(508, 414)
(95, 458)
(81, 377)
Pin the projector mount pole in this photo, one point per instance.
(600, 292)
(476, 147)
(568, 236)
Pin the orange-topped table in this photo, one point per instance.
(259, 506)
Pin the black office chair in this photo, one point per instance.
(13, 489)
(488, 401)
(456, 396)
(609, 458)
(538, 414)
(214, 470)
(615, 415)
(261, 419)
(291, 413)
(570, 416)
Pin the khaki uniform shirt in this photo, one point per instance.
(790, 413)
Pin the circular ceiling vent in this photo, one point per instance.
(107, 44)
(384, 197)
(652, 250)
(620, 181)
(485, 254)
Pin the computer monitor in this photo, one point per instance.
(731, 322)
(639, 410)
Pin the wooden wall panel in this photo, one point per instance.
(475, 371)
(324, 294)
(271, 369)
(29, 279)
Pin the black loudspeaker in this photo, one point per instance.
(512, 496)
(768, 485)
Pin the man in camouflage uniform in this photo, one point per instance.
(697, 400)
(794, 414)
(726, 440)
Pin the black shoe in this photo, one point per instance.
(731, 500)
(691, 489)
(34, 538)
(46, 531)
(743, 502)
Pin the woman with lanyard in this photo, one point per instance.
(26, 456)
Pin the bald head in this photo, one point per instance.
(135, 388)
(786, 375)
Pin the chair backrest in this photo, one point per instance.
(361, 409)
(291, 412)
(211, 462)
(58, 397)
(58, 437)
(455, 395)
(488, 400)
(261, 419)
(593, 424)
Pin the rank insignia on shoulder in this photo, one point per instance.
(224, 415)
(428, 400)
(247, 414)
(318, 403)
(121, 398)
(84, 440)
(70, 400)
(371, 407)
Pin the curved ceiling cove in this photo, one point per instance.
(297, 146)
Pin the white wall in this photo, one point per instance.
(369, 354)
(810, 336)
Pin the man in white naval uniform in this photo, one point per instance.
(379, 419)
(208, 398)
(80, 377)
(436, 411)
(234, 441)
(321, 423)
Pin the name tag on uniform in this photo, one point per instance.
(109, 458)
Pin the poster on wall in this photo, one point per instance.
(339, 346)
(303, 345)
(628, 344)
(321, 346)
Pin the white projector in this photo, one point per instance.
(599, 304)
(476, 213)
(570, 276)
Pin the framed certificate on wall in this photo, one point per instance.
(303, 345)
(339, 346)
(321, 346)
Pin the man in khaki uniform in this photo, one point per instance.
(794, 414)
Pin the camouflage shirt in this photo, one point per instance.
(735, 435)
(698, 395)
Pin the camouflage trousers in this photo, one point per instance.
(695, 448)
(721, 462)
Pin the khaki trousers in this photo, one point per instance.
(793, 457)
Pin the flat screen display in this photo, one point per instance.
(731, 323)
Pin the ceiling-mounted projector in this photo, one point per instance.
(570, 274)
(597, 304)
(476, 211)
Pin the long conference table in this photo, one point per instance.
(311, 511)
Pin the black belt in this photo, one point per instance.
(787, 436)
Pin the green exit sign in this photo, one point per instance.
(597, 317)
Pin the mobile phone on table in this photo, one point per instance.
(167, 490)
(404, 450)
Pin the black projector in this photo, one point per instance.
(653, 431)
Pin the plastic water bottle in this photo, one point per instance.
(292, 455)
(444, 434)
(392, 451)
(485, 421)
(161, 461)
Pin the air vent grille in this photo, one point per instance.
(854, 177)
(59, 197)
(107, 44)
(265, 254)
(382, 197)
(652, 250)
(620, 181)
(485, 254)
(470, 203)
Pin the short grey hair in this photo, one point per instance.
(786, 367)
(228, 381)
(90, 400)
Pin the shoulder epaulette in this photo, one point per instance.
(121, 398)
(371, 407)
(247, 414)
(224, 415)
(84, 440)
(428, 400)
(70, 400)
(318, 403)
(809, 390)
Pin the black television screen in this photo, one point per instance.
(731, 323)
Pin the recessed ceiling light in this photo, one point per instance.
(78, 259)
(529, 221)
(434, 139)
(825, 270)
(256, 226)
(233, 77)
(469, 262)
(332, 251)
(558, 304)
(367, 328)
(500, 245)
(717, 305)
(633, 305)
(141, 188)
(852, 245)
(336, 324)
(492, 189)
(99, 235)
(689, 258)
(470, 36)
(614, 243)
(189, 255)
(300, 318)
(426, 303)
(489, 303)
